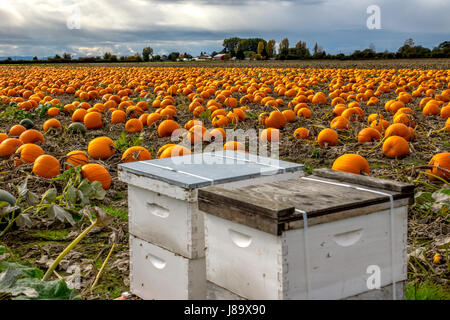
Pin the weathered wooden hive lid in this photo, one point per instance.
(325, 196)
(206, 169)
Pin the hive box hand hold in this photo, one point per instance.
(258, 246)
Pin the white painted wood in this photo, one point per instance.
(243, 260)
(256, 265)
(158, 186)
(173, 224)
(158, 274)
(172, 220)
(214, 292)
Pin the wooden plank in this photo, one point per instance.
(367, 181)
(240, 214)
(315, 198)
(248, 202)
(269, 206)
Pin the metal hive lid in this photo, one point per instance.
(206, 169)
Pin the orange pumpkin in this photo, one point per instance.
(275, 120)
(29, 153)
(368, 135)
(167, 127)
(76, 158)
(327, 137)
(398, 129)
(302, 133)
(95, 172)
(101, 148)
(270, 135)
(46, 166)
(233, 145)
(395, 146)
(93, 120)
(118, 116)
(164, 147)
(351, 163)
(31, 136)
(153, 118)
(440, 161)
(78, 115)
(340, 123)
(9, 146)
(134, 126)
(218, 134)
(3, 137)
(175, 151)
(51, 124)
(16, 130)
(136, 154)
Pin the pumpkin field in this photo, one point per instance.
(64, 130)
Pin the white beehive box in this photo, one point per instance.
(163, 208)
(159, 274)
(255, 237)
(162, 195)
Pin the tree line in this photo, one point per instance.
(258, 49)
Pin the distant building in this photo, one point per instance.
(203, 57)
(220, 56)
(164, 57)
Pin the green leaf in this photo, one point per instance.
(22, 188)
(59, 213)
(84, 200)
(71, 195)
(24, 221)
(46, 290)
(423, 197)
(30, 272)
(50, 195)
(2, 249)
(99, 193)
(445, 191)
(85, 188)
(32, 198)
(24, 283)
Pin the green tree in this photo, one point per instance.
(242, 47)
(284, 47)
(260, 48)
(301, 51)
(254, 42)
(230, 45)
(147, 52)
(270, 48)
(173, 56)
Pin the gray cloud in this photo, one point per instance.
(39, 27)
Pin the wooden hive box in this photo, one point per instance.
(257, 247)
(165, 224)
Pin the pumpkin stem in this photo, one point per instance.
(67, 250)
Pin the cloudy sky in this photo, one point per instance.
(93, 27)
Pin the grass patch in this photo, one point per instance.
(427, 291)
(52, 235)
(117, 212)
